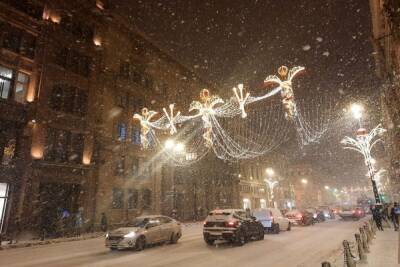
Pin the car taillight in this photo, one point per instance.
(353, 211)
(272, 219)
(299, 216)
(231, 224)
(205, 222)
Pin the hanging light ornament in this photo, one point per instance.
(145, 124)
(205, 109)
(171, 118)
(285, 84)
(241, 99)
(262, 130)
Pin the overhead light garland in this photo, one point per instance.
(261, 129)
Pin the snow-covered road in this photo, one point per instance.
(303, 246)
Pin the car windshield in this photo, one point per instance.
(139, 222)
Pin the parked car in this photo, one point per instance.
(233, 225)
(143, 231)
(327, 212)
(300, 217)
(314, 213)
(272, 220)
(352, 213)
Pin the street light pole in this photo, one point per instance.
(363, 143)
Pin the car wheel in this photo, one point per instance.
(113, 249)
(289, 226)
(174, 238)
(261, 234)
(240, 239)
(276, 229)
(209, 242)
(140, 243)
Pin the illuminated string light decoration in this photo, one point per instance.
(261, 129)
(364, 143)
(145, 124)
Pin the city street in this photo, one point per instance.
(303, 246)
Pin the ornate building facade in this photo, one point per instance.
(386, 42)
(72, 74)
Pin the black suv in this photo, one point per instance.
(231, 225)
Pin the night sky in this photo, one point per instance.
(227, 42)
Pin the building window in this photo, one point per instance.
(146, 197)
(117, 198)
(4, 188)
(137, 104)
(18, 41)
(122, 100)
(120, 166)
(135, 166)
(133, 198)
(6, 78)
(73, 61)
(79, 29)
(63, 146)
(21, 87)
(136, 139)
(121, 131)
(69, 99)
(13, 84)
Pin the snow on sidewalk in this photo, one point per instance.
(37, 242)
(384, 249)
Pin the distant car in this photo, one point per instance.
(351, 213)
(327, 212)
(314, 213)
(233, 225)
(143, 231)
(300, 217)
(272, 220)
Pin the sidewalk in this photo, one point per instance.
(37, 242)
(384, 249)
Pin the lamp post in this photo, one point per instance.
(271, 184)
(175, 149)
(363, 143)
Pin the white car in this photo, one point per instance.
(143, 231)
(272, 220)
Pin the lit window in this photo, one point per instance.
(21, 87)
(3, 203)
(13, 86)
(122, 131)
(6, 76)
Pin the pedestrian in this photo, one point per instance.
(394, 215)
(376, 215)
(78, 222)
(104, 222)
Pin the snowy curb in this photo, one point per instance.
(24, 244)
(336, 257)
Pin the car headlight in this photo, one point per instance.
(130, 234)
(106, 235)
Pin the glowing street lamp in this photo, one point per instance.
(304, 181)
(326, 187)
(357, 111)
(169, 144)
(270, 171)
